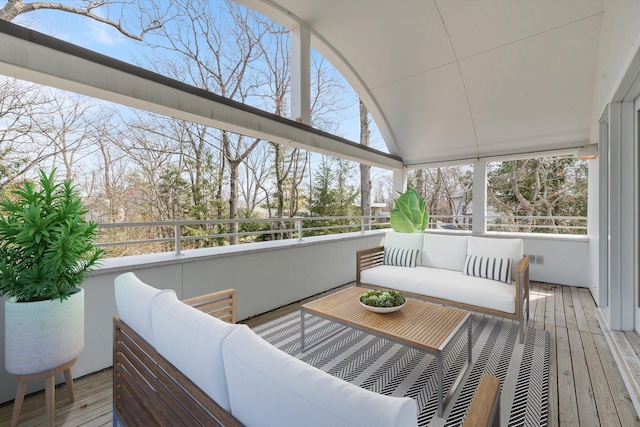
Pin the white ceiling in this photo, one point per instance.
(448, 80)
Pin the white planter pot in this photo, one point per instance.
(43, 335)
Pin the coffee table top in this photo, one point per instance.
(418, 324)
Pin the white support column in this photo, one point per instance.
(598, 217)
(628, 190)
(479, 220)
(613, 226)
(301, 75)
(399, 181)
(621, 218)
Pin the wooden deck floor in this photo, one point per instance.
(585, 386)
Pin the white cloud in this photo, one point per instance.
(104, 34)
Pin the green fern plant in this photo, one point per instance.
(46, 246)
(409, 214)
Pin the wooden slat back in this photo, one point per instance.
(368, 258)
(221, 304)
(485, 406)
(148, 390)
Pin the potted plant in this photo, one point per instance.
(46, 250)
(409, 214)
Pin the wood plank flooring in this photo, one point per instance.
(585, 385)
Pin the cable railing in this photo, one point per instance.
(119, 239)
(134, 238)
(538, 224)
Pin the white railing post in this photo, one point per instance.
(177, 230)
(362, 223)
(299, 225)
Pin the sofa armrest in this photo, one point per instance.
(368, 258)
(522, 296)
(149, 390)
(221, 304)
(485, 406)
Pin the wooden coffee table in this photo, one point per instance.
(419, 324)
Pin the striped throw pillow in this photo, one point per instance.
(400, 257)
(490, 268)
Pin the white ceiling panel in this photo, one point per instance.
(482, 25)
(367, 32)
(535, 93)
(430, 116)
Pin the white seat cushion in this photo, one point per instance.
(133, 300)
(446, 284)
(444, 251)
(268, 387)
(192, 341)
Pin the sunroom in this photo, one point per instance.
(447, 83)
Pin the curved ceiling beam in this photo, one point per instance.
(290, 20)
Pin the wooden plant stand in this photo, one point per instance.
(50, 390)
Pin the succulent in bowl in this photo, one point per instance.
(383, 298)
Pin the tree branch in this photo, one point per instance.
(13, 8)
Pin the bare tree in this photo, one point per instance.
(111, 172)
(67, 128)
(365, 170)
(21, 107)
(543, 187)
(149, 17)
(254, 181)
(447, 190)
(213, 47)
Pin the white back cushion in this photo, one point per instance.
(133, 300)
(497, 248)
(444, 251)
(393, 239)
(191, 340)
(268, 387)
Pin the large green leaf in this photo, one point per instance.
(409, 213)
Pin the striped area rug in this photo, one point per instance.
(389, 368)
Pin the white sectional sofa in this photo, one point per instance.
(176, 365)
(448, 269)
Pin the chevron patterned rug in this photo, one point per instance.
(389, 368)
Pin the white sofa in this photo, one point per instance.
(438, 273)
(254, 382)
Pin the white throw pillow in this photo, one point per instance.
(393, 239)
(490, 268)
(400, 257)
(497, 248)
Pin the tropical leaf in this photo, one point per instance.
(409, 213)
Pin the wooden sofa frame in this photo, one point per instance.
(149, 390)
(373, 257)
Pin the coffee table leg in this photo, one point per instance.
(442, 400)
(469, 340)
(440, 378)
(302, 330)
